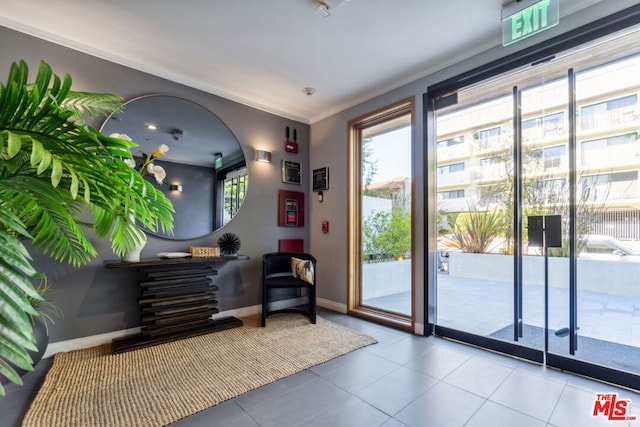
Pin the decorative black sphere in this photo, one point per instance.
(229, 244)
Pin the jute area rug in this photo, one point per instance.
(162, 384)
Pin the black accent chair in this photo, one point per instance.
(277, 273)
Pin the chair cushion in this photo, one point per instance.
(278, 281)
(302, 269)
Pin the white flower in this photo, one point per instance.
(121, 136)
(147, 165)
(157, 171)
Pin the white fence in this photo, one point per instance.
(385, 278)
(619, 277)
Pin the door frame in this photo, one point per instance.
(354, 282)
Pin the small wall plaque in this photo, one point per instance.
(291, 172)
(321, 179)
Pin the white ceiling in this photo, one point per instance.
(263, 53)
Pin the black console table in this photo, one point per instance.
(177, 300)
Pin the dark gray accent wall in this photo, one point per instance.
(195, 204)
(98, 300)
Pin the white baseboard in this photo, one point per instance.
(94, 340)
(87, 342)
(332, 305)
(418, 328)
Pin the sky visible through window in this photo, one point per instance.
(391, 153)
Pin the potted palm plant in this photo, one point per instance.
(46, 311)
(56, 171)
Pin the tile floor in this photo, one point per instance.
(404, 380)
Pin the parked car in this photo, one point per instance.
(607, 247)
(446, 243)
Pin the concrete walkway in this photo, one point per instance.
(484, 307)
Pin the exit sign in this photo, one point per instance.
(520, 21)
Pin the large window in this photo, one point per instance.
(235, 190)
(555, 140)
(381, 286)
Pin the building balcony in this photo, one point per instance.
(453, 205)
(540, 133)
(462, 178)
(609, 119)
(496, 172)
(458, 151)
(611, 193)
(611, 157)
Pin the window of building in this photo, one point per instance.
(603, 143)
(552, 156)
(607, 112)
(453, 194)
(489, 161)
(489, 137)
(539, 127)
(455, 167)
(235, 189)
(451, 141)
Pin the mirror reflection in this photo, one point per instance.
(206, 172)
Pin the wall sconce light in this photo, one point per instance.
(175, 187)
(262, 156)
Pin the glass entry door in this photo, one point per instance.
(560, 138)
(607, 218)
(475, 201)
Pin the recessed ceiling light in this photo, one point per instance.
(325, 7)
(322, 10)
(151, 126)
(309, 91)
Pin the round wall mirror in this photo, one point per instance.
(206, 172)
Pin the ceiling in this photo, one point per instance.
(263, 54)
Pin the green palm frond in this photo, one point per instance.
(52, 224)
(92, 104)
(16, 333)
(55, 169)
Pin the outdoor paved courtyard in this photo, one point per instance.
(484, 307)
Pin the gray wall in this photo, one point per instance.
(195, 216)
(329, 147)
(98, 300)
